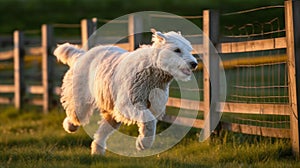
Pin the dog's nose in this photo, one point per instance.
(193, 65)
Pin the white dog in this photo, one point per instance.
(127, 87)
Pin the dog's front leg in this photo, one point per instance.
(146, 134)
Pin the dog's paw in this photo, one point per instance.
(144, 142)
(68, 126)
(97, 149)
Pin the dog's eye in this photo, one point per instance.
(177, 50)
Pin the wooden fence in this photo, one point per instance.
(17, 54)
(211, 28)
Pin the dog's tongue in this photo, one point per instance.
(186, 71)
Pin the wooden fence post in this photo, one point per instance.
(211, 70)
(87, 28)
(292, 27)
(47, 74)
(135, 30)
(19, 68)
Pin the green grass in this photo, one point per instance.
(32, 139)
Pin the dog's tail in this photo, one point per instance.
(68, 53)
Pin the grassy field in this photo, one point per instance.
(32, 139)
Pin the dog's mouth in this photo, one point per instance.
(186, 71)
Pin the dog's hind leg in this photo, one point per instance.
(106, 127)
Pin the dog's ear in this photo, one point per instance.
(158, 36)
(153, 30)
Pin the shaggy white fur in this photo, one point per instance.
(127, 87)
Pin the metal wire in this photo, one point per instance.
(253, 10)
(111, 21)
(175, 17)
(262, 64)
(261, 121)
(254, 35)
(186, 89)
(261, 87)
(63, 25)
(258, 97)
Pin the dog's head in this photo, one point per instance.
(174, 54)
